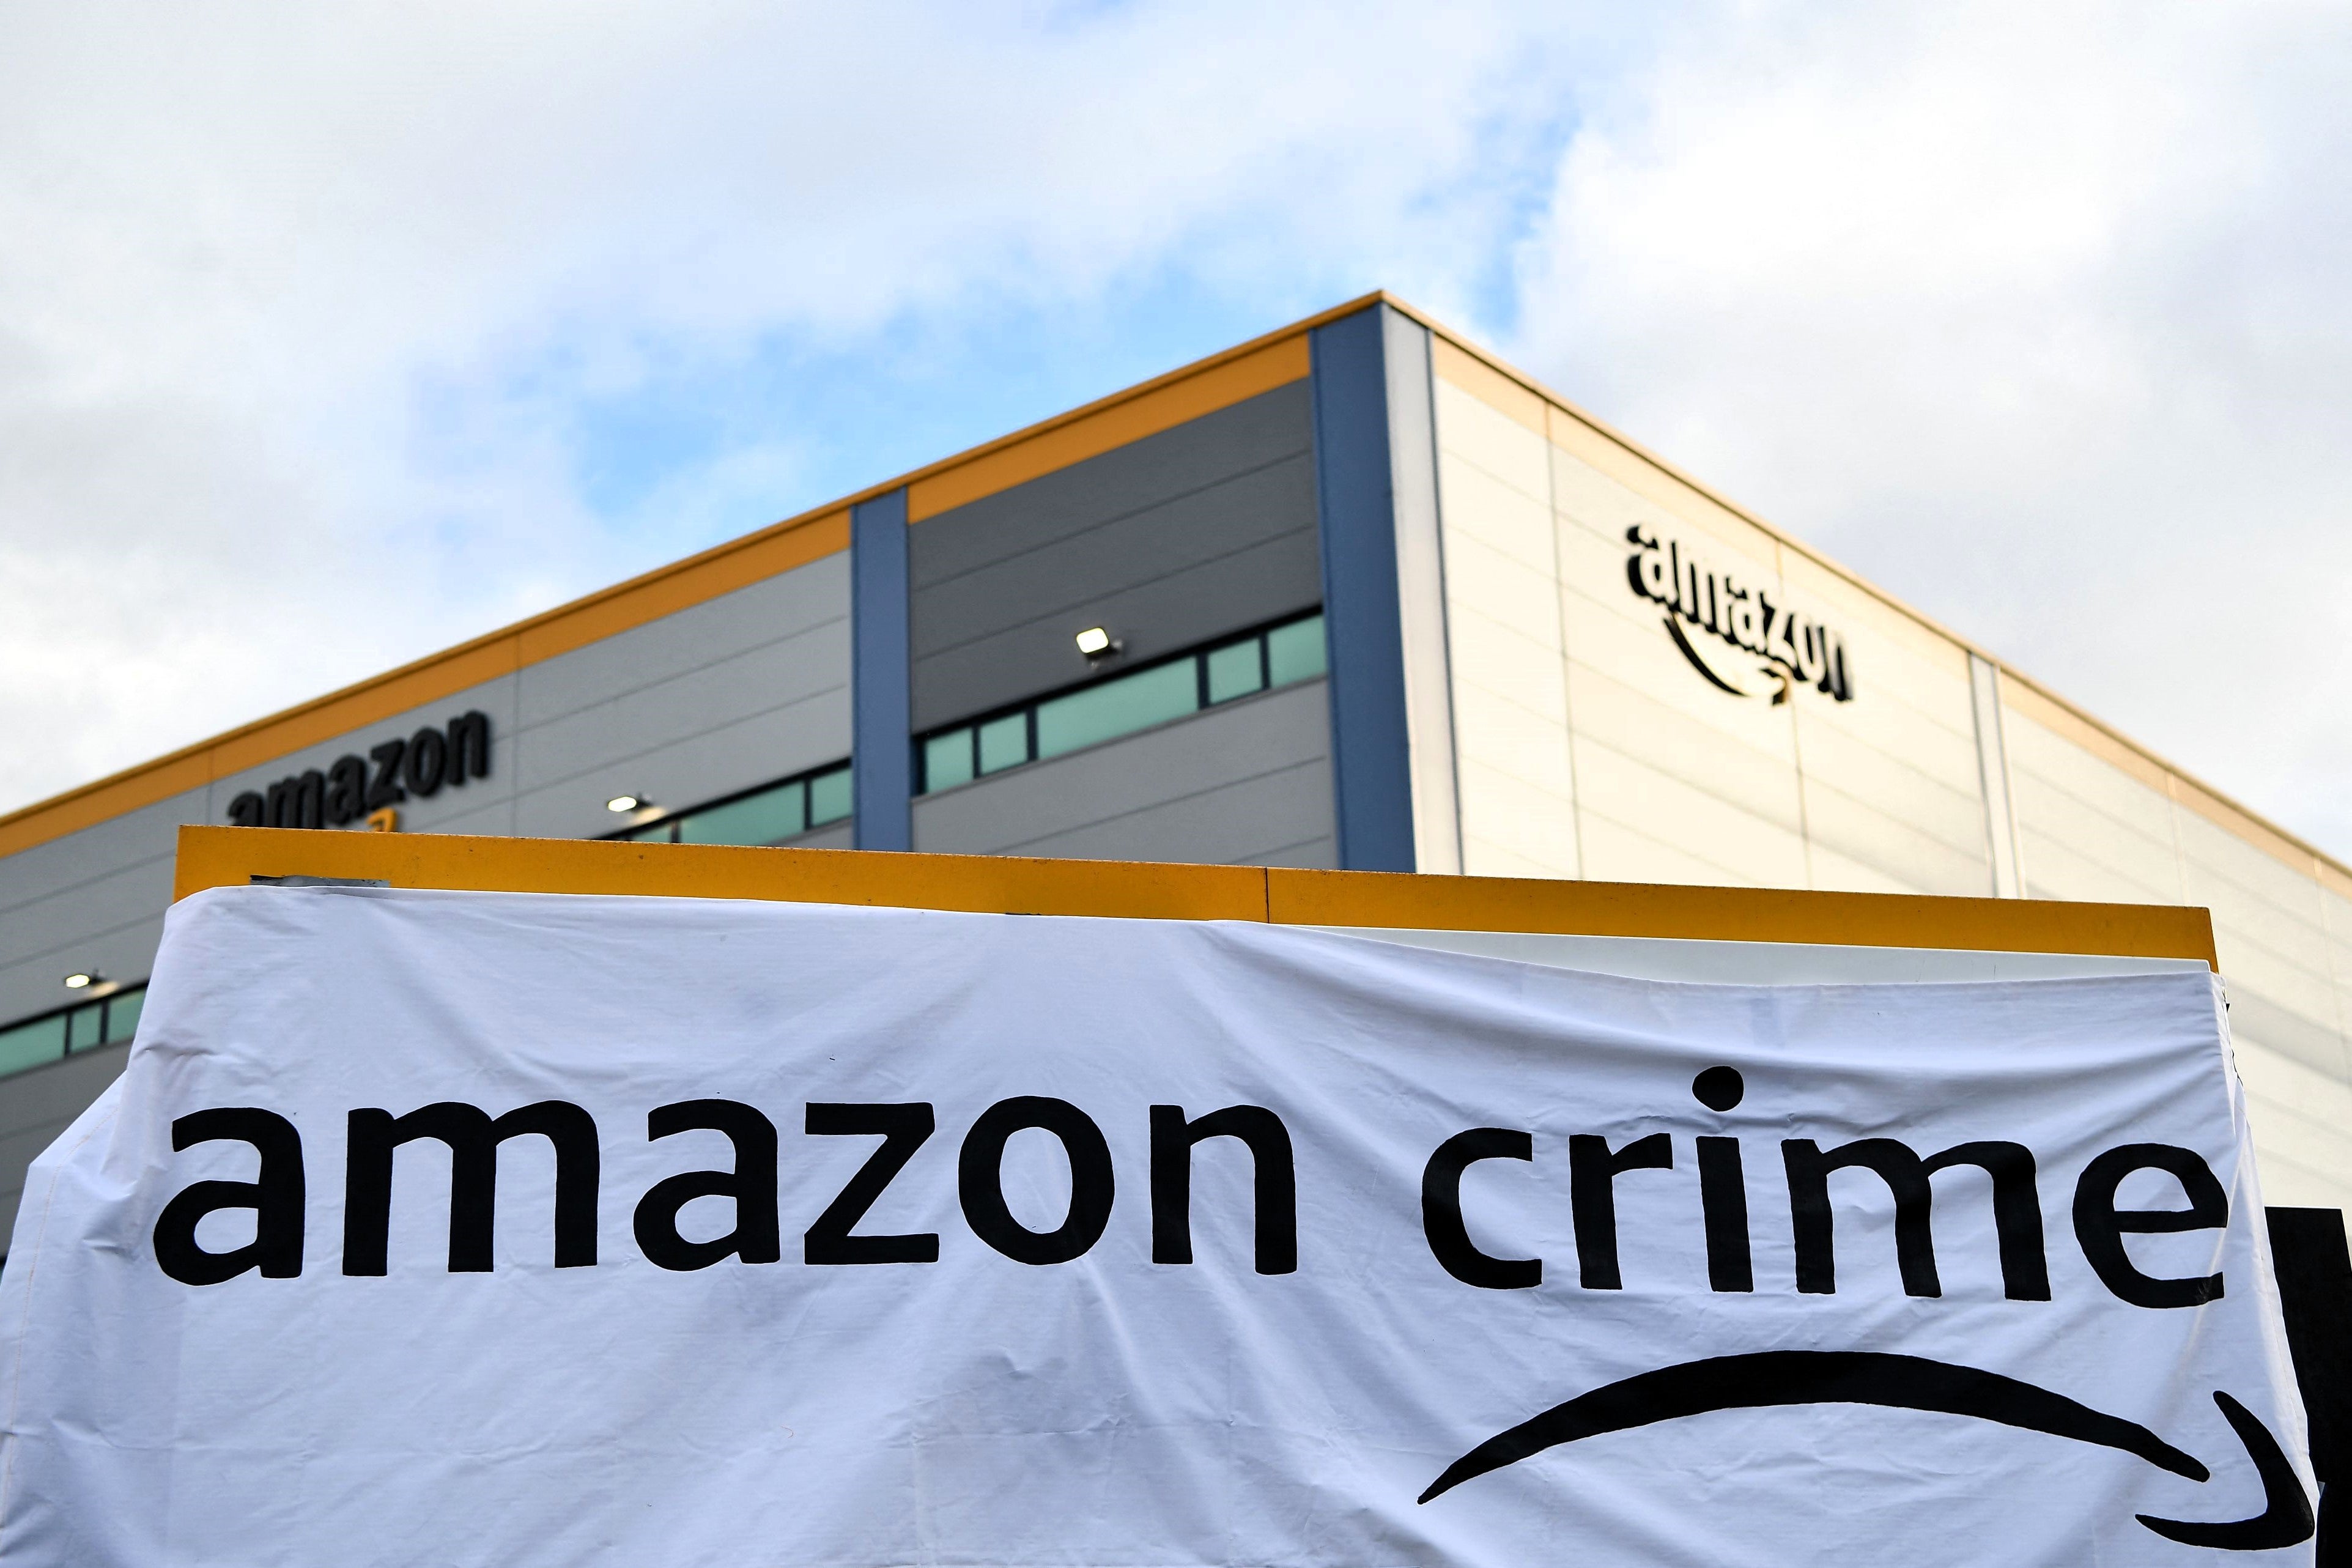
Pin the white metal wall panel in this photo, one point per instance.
(2336, 908)
(1515, 781)
(1589, 746)
(748, 687)
(2085, 829)
(1421, 597)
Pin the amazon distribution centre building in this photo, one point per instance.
(1358, 596)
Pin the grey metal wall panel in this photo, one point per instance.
(1314, 855)
(690, 639)
(150, 833)
(793, 672)
(37, 1107)
(1210, 525)
(91, 899)
(727, 695)
(1170, 540)
(693, 768)
(1248, 821)
(1241, 783)
(842, 834)
(107, 927)
(1250, 435)
(1263, 584)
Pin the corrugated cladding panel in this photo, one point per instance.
(93, 898)
(1248, 782)
(1170, 540)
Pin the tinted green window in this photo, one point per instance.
(829, 799)
(29, 1045)
(1118, 706)
(1236, 671)
(762, 818)
(1295, 652)
(122, 1014)
(1004, 742)
(946, 760)
(85, 1027)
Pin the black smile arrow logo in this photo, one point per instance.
(1674, 630)
(1903, 1383)
(1782, 684)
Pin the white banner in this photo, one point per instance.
(484, 1228)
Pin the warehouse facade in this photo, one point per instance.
(1352, 595)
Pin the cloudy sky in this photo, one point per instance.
(331, 335)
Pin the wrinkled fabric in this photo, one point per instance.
(1106, 1408)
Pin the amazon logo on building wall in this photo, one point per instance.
(1784, 649)
(351, 790)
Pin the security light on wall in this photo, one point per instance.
(82, 979)
(627, 803)
(1096, 642)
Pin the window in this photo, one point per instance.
(55, 1036)
(1123, 704)
(764, 816)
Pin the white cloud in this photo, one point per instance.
(2033, 313)
(299, 311)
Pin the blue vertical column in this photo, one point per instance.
(882, 768)
(1371, 770)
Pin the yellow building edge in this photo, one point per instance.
(232, 856)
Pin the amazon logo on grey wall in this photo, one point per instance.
(418, 764)
(1787, 649)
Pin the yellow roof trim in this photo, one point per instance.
(232, 856)
(1147, 411)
